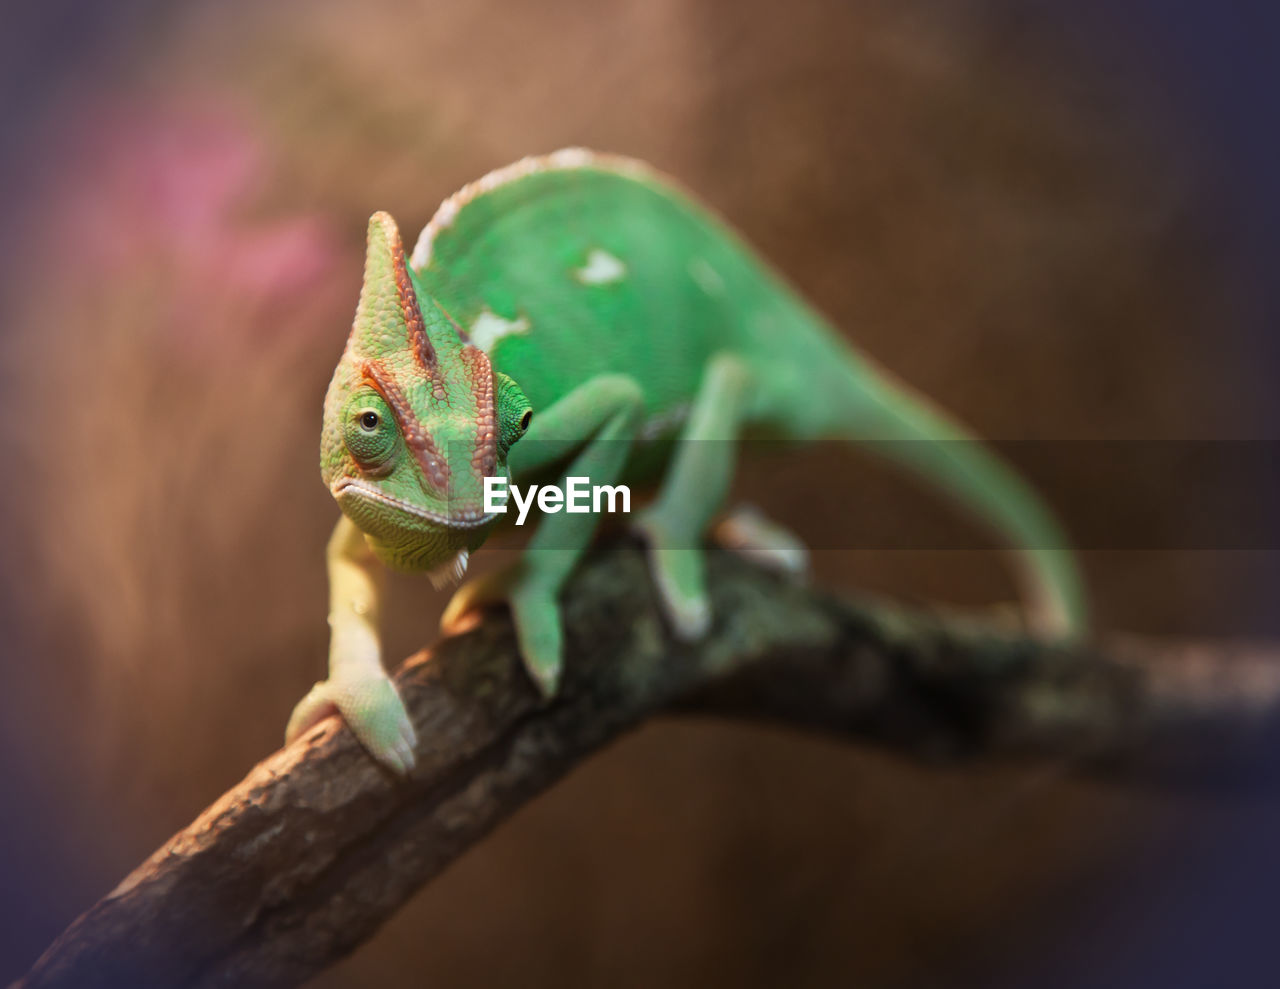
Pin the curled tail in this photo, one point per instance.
(874, 408)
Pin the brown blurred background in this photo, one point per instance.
(1040, 215)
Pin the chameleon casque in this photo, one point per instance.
(561, 317)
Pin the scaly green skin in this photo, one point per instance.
(591, 292)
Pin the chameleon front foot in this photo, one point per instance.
(534, 611)
(372, 709)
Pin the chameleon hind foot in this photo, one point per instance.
(692, 492)
(749, 533)
(534, 611)
(679, 575)
(372, 709)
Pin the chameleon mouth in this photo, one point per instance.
(469, 518)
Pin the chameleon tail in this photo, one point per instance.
(931, 445)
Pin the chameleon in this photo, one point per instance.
(581, 314)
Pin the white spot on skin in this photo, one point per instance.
(707, 277)
(421, 256)
(489, 328)
(601, 269)
(446, 213)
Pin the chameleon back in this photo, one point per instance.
(576, 264)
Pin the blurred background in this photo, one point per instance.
(1058, 220)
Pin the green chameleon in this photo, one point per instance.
(578, 314)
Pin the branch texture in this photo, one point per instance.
(305, 858)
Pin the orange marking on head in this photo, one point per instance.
(423, 350)
(434, 465)
(484, 458)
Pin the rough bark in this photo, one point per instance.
(306, 857)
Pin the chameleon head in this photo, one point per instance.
(414, 420)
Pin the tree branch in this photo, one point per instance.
(317, 846)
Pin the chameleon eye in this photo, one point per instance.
(514, 413)
(370, 433)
